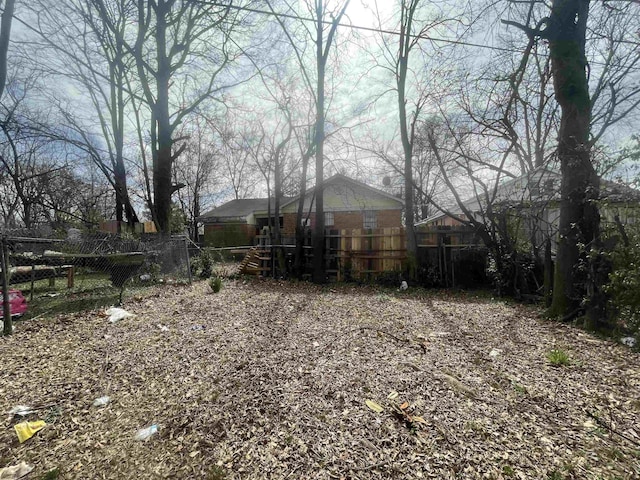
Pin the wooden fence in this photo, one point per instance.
(365, 253)
(446, 256)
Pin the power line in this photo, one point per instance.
(361, 27)
(385, 31)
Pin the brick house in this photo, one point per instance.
(348, 204)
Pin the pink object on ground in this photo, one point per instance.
(17, 303)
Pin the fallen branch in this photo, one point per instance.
(419, 345)
(609, 428)
(369, 467)
(384, 332)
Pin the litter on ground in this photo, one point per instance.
(26, 430)
(116, 314)
(15, 472)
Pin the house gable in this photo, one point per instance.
(235, 211)
(343, 194)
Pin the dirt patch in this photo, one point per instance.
(270, 380)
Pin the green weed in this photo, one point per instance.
(558, 358)
(217, 473)
(51, 475)
(216, 284)
(555, 475)
(508, 471)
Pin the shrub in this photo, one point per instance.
(410, 266)
(347, 271)
(216, 284)
(389, 278)
(202, 265)
(624, 283)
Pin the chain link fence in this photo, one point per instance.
(90, 269)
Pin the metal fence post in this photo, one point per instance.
(186, 250)
(6, 308)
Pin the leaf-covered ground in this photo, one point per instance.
(271, 380)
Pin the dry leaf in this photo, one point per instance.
(187, 382)
(374, 406)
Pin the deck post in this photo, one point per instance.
(70, 276)
(6, 307)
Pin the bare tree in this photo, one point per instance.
(84, 49)
(322, 37)
(30, 151)
(181, 50)
(5, 34)
(234, 148)
(6, 20)
(274, 155)
(197, 170)
(566, 28)
(75, 197)
(418, 79)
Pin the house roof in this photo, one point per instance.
(239, 208)
(339, 178)
(533, 186)
(618, 192)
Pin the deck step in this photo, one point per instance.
(255, 262)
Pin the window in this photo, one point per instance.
(534, 190)
(328, 219)
(369, 219)
(549, 186)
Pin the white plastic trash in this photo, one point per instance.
(494, 352)
(404, 286)
(628, 341)
(21, 410)
(102, 401)
(146, 433)
(16, 471)
(116, 314)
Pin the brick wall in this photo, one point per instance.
(347, 220)
(288, 223)
(228, 235)
(343, 220)
(389, 218)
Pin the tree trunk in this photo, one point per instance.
(407, 148)
(277, 234)
(579, 217)
(299, 253)
(319, 267)
(124, 208)
(406, 137)
(162, 178)
(5, 35)
(548, 273)
(196, 213)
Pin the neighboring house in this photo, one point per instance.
(234, 223)
(348, 204)
(533, 202)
